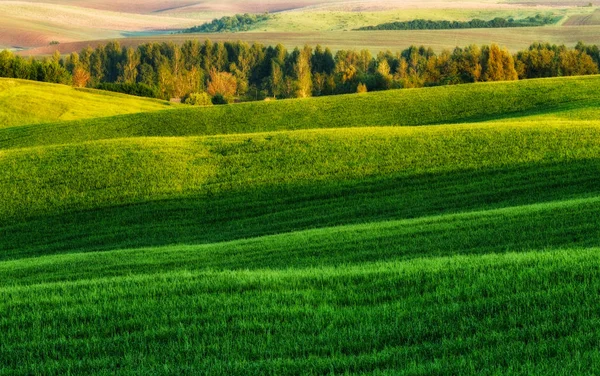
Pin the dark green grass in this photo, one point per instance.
(448, 104)
(278, 209)
(529, 313)
(556, 224)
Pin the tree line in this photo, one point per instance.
(498, 22)
(238, 22)
(224, 72)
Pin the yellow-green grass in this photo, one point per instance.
(29, 102)
(257, 211)
(565, 97)
(319, 20)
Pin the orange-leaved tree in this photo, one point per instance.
(223, 84)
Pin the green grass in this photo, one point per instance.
(51, 180)
(451, 104)
(344, 17)
(28, 102)
(550, 225)
(437, 231)
(519, 313)
(248, 213)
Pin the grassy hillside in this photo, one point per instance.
(356, 318)
(29, 102)
(49, 180)
(450, 230)
(278, 209)
(324, 20)
(544, 226)
(438, 105)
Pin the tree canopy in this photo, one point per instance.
(243, 72)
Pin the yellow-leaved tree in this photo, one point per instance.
(222, 84)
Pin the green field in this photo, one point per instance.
(573, 98)
(447, 230)
(315, 20)
(28, 102)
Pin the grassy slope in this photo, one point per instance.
(28, 102)
(544, 226)
(315, 251)
(357, 298)
(50, 180)
(453, 104)
(324, 20)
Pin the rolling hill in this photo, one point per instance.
(449, 230)
(28, 102)
(562, 98)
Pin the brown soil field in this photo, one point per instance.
(553, 3)
(33, 25)
(157, 6)
(257, 6)
(249, 6)
(129, 6)
(584, 20)
(23, 34)
(375, 41)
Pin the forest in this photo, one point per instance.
(205, 72)
(498, 22)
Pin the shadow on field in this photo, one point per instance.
(273, 210)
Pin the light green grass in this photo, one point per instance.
(28, 102)
(317, 20)
(438, 105)
(514, 39)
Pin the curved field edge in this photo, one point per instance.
(437, 105)
(28, 102)
(257, 211)
(58, 179)
(551, 225)
(530, 312)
